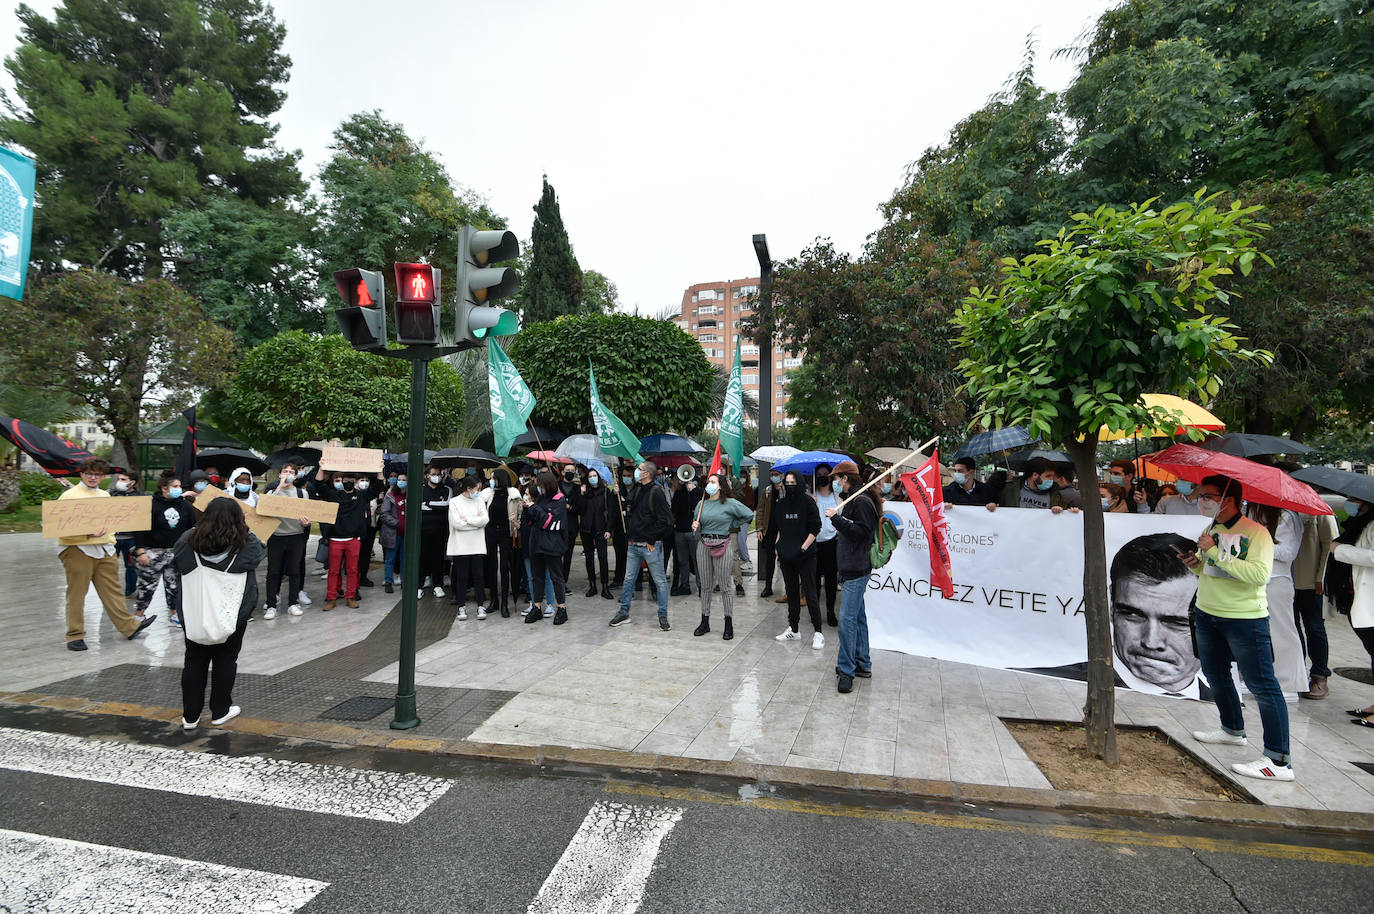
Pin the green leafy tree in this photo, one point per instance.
(599, 294)
(554, 284)
(386, 199)
(298, 387)
(649, 373)
(137, 108)
(42, 407)
(116, 346)
(821, 413)
(1115, 307)
(1312, 311)
(254, 269)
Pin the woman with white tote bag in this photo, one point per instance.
(217, 560)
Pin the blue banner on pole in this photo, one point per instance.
(16, 221)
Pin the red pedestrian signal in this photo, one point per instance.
(362, 319)
(364, 298)
(417, 304)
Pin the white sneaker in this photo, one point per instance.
(817, 641)
(548, 612)
(234, 711)
(481, 613)
(324, 573)
(295, 610)
(462, 614)
(269, 614)
(438, 591)
(787, 635)
(1218, 738)
(1266, 769)
(303, 598)
(190, 724)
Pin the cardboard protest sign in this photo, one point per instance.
(320, 512)
(261, 525)
(200, 499)
(365, 460)
(87, 516)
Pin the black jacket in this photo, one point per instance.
(245, 561)
(171, 518)
(684, 508)
(982, 494)
(352, 520)
(855, 527)
(549, 526)
(595, 510)
(796, 518)
(648, 518)
(434, 506)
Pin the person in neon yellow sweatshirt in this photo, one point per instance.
(1234, 558)
(91, 559)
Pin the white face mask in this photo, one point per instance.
(1208, 508)
(121, 486)
(362, 484)
(434, 480)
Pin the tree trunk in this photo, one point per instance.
(1099, 710)
(129, 456)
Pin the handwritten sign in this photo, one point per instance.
(351, 459)
(320, 512)
(87, 516)
(261, 525)
(201, 499)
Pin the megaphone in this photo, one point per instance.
(686, 472)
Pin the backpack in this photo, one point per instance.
(884, 544)
(210, 602)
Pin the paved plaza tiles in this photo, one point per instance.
(637, 688)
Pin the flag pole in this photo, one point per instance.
(888, 472)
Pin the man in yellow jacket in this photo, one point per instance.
(91, 559)
(1234, 558)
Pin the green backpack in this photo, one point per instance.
(885, 544)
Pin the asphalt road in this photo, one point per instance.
(494, 838)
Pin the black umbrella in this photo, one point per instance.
(227, 459)
(457, 456)
(1243, 444)
(1018, 460)
(305, 456)
(1352, 485)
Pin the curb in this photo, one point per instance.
(1346, 824)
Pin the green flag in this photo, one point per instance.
(616, 439)
(732, 416)
(511, 399)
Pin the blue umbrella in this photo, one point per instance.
(667, 443)
(807, 461)
(999, 439)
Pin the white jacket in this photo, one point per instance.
(466, 519)
(1360, 558)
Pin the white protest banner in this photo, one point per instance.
(1018, 595)
(365, 460)
(87, 516)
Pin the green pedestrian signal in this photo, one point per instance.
(362, 320)
(480, 283)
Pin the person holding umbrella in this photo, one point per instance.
(1353, 576)
(1233, 560)
(856, 524)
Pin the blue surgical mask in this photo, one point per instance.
(1116, 480)
(775, 479)
(1353, 508)
(887, 488)
(1106, 504)
(243, 488)
(1184, 487)
(200, 486)
(391, 480)
(338, 484)
(1045, 485)
(491, 483)
(471, 471)
(960, 478)
(401, 484)
(839, 485)
(593, 479)
(174, 492)
(712, 488)
(627, 480)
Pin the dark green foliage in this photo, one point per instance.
(649, 373)
(298, 387)
(34, 489)
(136, 108)
(554, 283)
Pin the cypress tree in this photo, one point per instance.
(553, 285)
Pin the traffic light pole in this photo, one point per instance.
(407, 714)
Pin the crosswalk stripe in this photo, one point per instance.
(606, 865)
(381, 796)
(39, 873)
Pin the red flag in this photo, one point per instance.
(928, 498)
(715, 461)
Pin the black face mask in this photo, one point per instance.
(792, 489)
(348, 485)
(568, 476)
(822, 480)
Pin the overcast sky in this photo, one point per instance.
(671, 132)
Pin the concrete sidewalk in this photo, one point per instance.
(636, 688)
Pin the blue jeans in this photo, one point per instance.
(549, 598)
(636, 553)
(124, 548)
(392, 559)
(742, 546)
(853, 628)
(1220, 642)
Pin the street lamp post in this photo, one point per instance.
(765, 340)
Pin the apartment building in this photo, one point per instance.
(711, 313)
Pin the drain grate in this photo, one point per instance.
(364, 707)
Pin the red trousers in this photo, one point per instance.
(343, 552)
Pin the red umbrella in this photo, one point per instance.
(672, 461)
(546, 457)
(1263, 484)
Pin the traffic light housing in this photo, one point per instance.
(362, 320)
(480, 283)
(417, 304)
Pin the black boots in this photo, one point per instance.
(505, 610)
(534, 615)
(606, 593)
(591, 590)
(560, 615)
(729, 632)
(704, 627)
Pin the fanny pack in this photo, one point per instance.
(715, 544)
